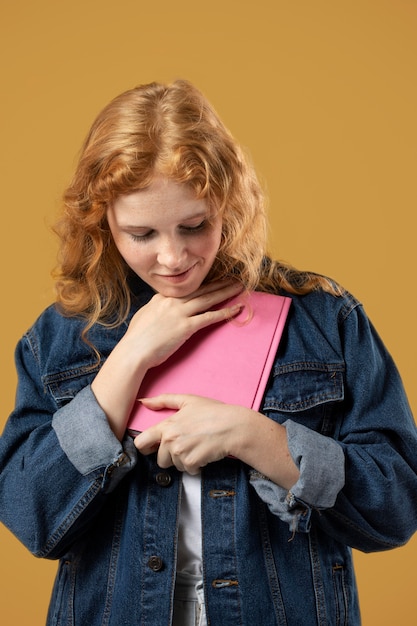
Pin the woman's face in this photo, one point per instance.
(166, 235)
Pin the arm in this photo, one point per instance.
(204, 430)
(49, 492)
(359, 486)
(377, 509)
(156, 331)
(375, 506)
(58, 465)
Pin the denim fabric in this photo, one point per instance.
(80, 423)
(313, 455)
(70, 491)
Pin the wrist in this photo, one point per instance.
(243, 431)
(116, 385)
(262, 444)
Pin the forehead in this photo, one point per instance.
(163, 199)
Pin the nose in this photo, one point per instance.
(172, 254)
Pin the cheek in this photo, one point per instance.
(139, 259)
(216, 241)
(208, 246)
(135, 258)
(212, 242)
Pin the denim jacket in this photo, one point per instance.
(69, 490)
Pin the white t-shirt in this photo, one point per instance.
(189, 535)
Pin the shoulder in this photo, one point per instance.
(316, 326)
(53, 329)
(56, 341)
(311, 292)
(324, 305)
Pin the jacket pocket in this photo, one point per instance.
(61, 606)
(340, 594)
(65, 385)
(310, 393)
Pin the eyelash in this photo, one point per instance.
(188, 230)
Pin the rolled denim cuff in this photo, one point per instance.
(85, 436)
(321, 462)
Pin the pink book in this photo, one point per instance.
(230, 361)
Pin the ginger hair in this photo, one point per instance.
(171, 131)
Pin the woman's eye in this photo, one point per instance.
(195, 229)
(141, 237)
(189, 230)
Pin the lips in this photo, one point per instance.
(178, 277)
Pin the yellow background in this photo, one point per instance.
(324, 95)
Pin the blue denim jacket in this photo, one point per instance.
(69, 490)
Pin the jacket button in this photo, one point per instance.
(155, 563)
(163, 479)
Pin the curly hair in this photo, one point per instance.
(171, 131)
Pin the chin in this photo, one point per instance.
(176, 292)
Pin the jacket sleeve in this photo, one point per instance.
(377, 508)
(361, 486)
(57, 467)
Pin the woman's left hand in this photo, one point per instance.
(202, 431)
(199, 432)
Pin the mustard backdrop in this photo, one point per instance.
(323, 94)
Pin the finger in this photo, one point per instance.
(148, 441)
(165, 459)
(212, 295)
(218, 315)
(172, 401)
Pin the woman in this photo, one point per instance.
(219, 514)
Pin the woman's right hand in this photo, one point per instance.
(162, 325)
(155, 332)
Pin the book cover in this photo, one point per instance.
(229, 361)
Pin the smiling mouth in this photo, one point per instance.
(179, 276)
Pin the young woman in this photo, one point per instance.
(219, 514)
